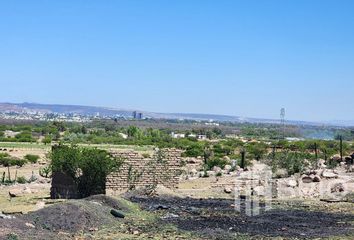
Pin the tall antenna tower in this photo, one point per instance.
(282, 121)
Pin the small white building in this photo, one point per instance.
(178, 135)
(202, 137)
(10, 134)
(123, 135)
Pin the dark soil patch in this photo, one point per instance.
(63, 220)
(108, 201)
(217, 219)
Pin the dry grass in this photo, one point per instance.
(24, 203)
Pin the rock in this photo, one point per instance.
(312, 176)
(135, 232)
(281, 173)
(15, 192)
(170, 216)
(316, 178)
(40, 205)
(201, 173)
(342, 164)
(117, 214)
(321, 163)
(329, 174)
(307, 179)
(43, 180)
(27, 190)
(192, 160)
(216, 169)
(292, 183)
(336, 157)
(227, 158)
(330, 200)
(193, 172)
(4, 216)
(161, 207)
(30, 225)
(227, 190)
(311, 172)
(211, 173)
(227, 167)
(338, 187)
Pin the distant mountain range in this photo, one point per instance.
(112, 112)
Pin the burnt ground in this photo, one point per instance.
(177, 218)
(217, 219)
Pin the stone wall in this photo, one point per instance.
(164, 167)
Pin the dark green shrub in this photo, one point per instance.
(9, 161)
(256, 150)
(21, 180)
(293, 162)
(194, 150)
(218, 162)
(12, 236)
(88, 167)
(4, 155)
(32, 158)
(18, 162)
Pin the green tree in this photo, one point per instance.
(133, 131)
(88, 167)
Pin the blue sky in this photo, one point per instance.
(247, 58)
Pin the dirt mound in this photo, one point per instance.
(108, 202)
(68, 218)
(71, 217)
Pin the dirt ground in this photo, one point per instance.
(199, 209)
(179, 218)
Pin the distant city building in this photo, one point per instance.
(137, 115)
(212, 124)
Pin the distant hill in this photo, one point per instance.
(62, 109)
(112, 112)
